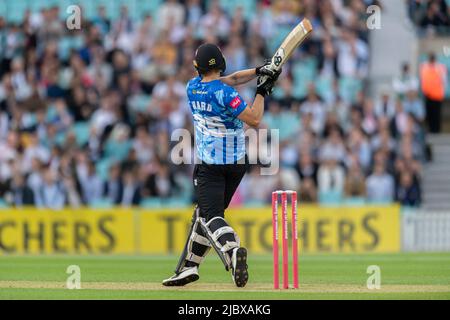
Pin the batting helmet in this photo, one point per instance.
(209, 57)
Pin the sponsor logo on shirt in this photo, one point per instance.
(235, 102)
(199, 92)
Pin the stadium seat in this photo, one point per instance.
(285, 122)
(254, 204)
(150, 7)
(446, 60)
(151, 203)
(117, 150)
(330, 197)
(89, 8)
(324, 87)
(131, 6)
(139, 102)
(15, 10)
(37, 5)
(102, 203)
(66, 44)
(63, 5)
(354, 201)
(51, 112)
(348, 88)
(102, 168)
(3, 204)
(175, 202)
(278, 92)
(2, 9)
(304, 73)
(248, 6)
(81, 131)
(380, 202)
(281, 33)
(60, 138)
(185, 184)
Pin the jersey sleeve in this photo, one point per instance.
(232, 101)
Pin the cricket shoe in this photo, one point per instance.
(187, 275)
(239, 267)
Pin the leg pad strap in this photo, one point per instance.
(222, 245)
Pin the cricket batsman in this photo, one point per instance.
(219, 113)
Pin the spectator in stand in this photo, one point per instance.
(91, 185)
(408, 191)
(51, 192)
(383, 141)
(35, 150)
(328, 61)
(413, 105)
(380, 186)
(333, 148)
(405, 82)
(144, 145)
(399, 122)
(385, 106)
(353, 55)
(308, 191)
(332, 123)
(235, 55)
(170, 10)
(131, 192)
(358, 145)
(193, 13)
(331, 176)
(101, 21)
(21, 194)
(73, 197)
(215, 23)
(409, 167)
(254, 189)
(35, 177)
(433, 79)
(306, 167)
(436, 15)
(314, 106)
(161, 183)
(113, 187)
(369, 122)
(105, 116)
(355, 182)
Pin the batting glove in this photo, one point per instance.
(265, 70)
(265, 84)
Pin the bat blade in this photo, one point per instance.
(290, 43)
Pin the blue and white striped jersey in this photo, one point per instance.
(219, 134)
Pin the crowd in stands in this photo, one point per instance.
(431, 16)
(86, 115)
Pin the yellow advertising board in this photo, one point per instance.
(79, 231)
(135, 231)
(321, 229)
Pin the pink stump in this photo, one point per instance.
(295, 240)
(276, 273)
(285, 234)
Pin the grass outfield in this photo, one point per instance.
(403, 276)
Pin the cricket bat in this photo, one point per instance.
(290, 43)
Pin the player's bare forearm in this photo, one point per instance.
(239, 77)
(258, 107)
(252, 115)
